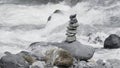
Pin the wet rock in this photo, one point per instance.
(108, 65)
(38, 64)
(59, 57)
(38, 49)
(71, 34)
(100, 64)
(113, 41)
(71, 31)
(70, 39)
(27, 56)
(82, 64)
(13, 61)
(115, 63)
(57, 11)
(78, 50)
(92, 65)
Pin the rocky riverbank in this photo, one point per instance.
(50, 55)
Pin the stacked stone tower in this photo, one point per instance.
(72, 29)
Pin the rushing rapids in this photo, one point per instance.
(22, 23)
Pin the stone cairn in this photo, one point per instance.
(72, 29)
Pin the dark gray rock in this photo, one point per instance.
(78, 50)
(57, 11)
(72, 31)
(74, 25)
(13, 61)
(113, 41)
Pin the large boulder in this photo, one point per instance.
(13, 61)
(78, 50)
(113, 41)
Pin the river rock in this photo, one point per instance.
(13, 61)
(78, 50)
(59, 57)
(38, 64)
(73, 25)
(28, 56)
(100, 64)
(70, 39)
(72, 31)
(82, 64)
(38, 49)
(113, 41)
(115, 63)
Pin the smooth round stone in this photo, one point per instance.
(111, 42)
(13, 61)
(74, 25)
(72, 31)
(70, 39)
(72, 21)
(38, 64)
(72, 28)
(78, 50)
(70, 34)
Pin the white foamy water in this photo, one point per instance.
(20, 25)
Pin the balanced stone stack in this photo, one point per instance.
(72, 29)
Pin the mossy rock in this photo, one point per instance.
(29, 59)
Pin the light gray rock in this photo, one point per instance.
(115, 63)
(78, 50)
(70, 34)
(38, 64)
(82, 64)
(36, 44)
(74, 25)
(100, 64)
(38, 49)
(70, 39)
(108, 65)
